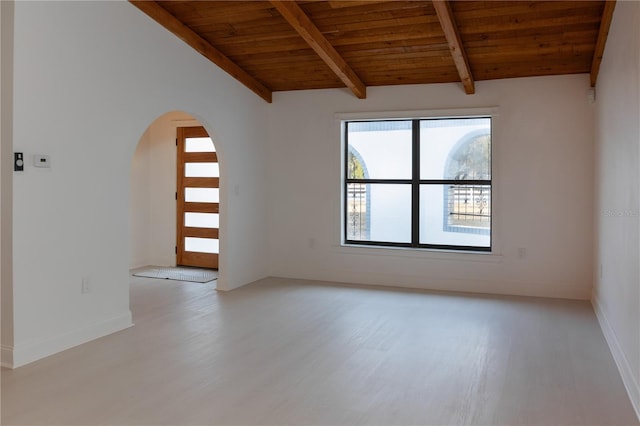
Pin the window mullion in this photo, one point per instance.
(345, 214)
(415, 184)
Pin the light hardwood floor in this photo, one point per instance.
(284, 352)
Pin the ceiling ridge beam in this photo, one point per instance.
(300, 22)
(451, 33)
(186, 34)
(603, 33)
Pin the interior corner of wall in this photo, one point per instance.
(6, 356)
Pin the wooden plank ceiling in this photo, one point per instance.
(294, 45)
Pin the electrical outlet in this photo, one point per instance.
(601, 270)
(522, 252)
(86, 286)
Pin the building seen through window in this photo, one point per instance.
(468, 206)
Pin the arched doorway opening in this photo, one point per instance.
(175, 195)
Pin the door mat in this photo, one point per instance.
(194, 275)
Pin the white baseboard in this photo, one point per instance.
(430, 283)
(25, 353)
(629, 380)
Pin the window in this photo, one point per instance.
(423, 183)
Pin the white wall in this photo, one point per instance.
(6, 174)
(89, 79)
(616, 295)
(543, 202)
(153, 186)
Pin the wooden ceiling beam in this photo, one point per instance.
(448, 23)
(603, 33)
(296, 17)
(186, 34)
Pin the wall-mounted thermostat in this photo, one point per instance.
(41, 161)
(18, 162)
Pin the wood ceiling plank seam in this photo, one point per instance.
(603, 33)
(311, 84)
(254, 38)
(278, 56)
(489, 7)
(444, 75)
(264, 48)
(563, 31)
(388, 33)
(247, 22)
(171, 23)
(579, 65)
(410, 67)
(351, 3)
(413, 65)
(582, 37)
(322, 9)
(282, 81)
(240, 20)
(437, 68)
(390, 80)
(302, 68)
(221, 35)
(525, 72)
(405, 63)
(375, 60)
(517, 61)
(335, 22)
(536, 49)
(305, 27)
(392, 54)
(256, 61)
(427, 44)
(367, 39)
(219, 10)
(478, 26)
(515, 44)
(447, 20)
(520, 8)
(273, 26)
(288, 87)
(490, 72)
(530, 51)
(383, 25)
(401, 80)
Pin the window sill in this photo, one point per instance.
(421, 253)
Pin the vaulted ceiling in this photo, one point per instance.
(293, 45)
